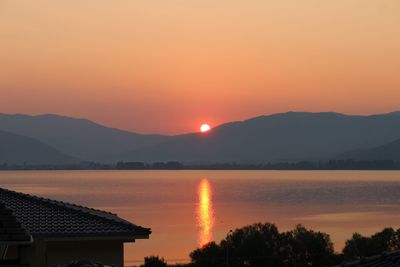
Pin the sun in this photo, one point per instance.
(205, 128)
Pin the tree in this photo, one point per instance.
(254, 245)
(305, 248)
(154, 261)
(210, 255)
(360, 246)
(383, 241)
(263, 245)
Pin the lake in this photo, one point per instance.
(186, 209)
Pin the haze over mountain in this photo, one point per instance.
(80, 138)
(279, 137)
(18, 149)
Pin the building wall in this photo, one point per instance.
(64, 252)
(20, 252)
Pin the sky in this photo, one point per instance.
(166, 66)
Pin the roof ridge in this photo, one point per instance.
(82, 209)
(383, 255)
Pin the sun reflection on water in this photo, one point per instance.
(205, 213)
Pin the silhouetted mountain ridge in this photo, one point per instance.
(287, 136)
(291, 136)
(80, 138)
(18, 149)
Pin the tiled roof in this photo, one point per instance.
(11, 230)
(44, 217)
(387, 259)
(83, 264)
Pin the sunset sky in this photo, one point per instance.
(167, 66)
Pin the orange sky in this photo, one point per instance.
(167, 65)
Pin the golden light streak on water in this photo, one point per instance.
(205, 213)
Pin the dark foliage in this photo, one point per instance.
(211, 255)
(360, 246)
(308, 248)
(263, 245)
(154, 261)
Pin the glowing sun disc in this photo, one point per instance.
(205, 128)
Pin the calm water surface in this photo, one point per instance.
(186, 209)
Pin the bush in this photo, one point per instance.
(154, 261)
(360, 246)
(263, 245)
(308, 248)
(210, 255)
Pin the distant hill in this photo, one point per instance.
(389, 151)
(17, 149)
(280, 137)
(292, 136)
(80, 138)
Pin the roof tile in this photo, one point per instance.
(11, 230)
(44, 217)
(387, 259)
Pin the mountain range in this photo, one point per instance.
(79, 138)
(389, 151)
(20, 150)
(291, 136)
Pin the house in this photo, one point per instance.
(387, 259)
(37, 231)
